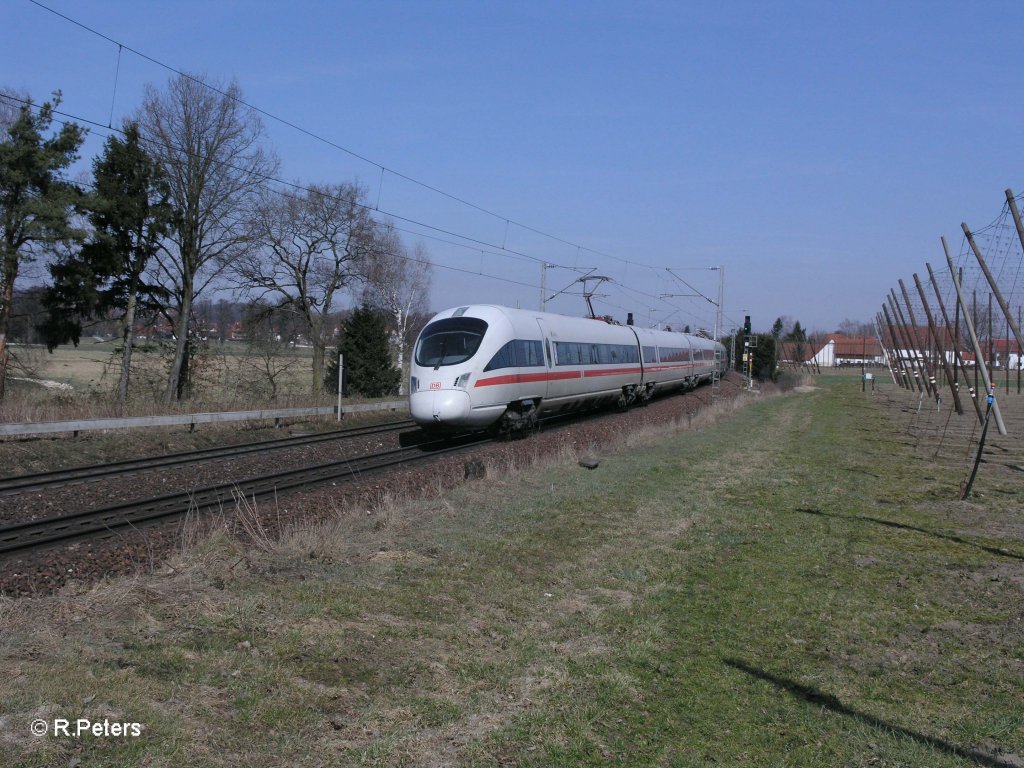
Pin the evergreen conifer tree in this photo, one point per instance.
(369, 365)
(36, 204)
(130, 215)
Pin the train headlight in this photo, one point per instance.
(414, 384)
(462, 381)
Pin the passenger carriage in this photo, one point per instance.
(482, 366)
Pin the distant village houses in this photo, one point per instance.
(839, 350)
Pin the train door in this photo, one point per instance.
(563, 381)
(549, 360)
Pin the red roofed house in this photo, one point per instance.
(841, 350)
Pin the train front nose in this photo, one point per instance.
(440, 407)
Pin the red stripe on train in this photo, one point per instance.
(610, 372)
(526, 378)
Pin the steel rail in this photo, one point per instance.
(61, 477)
(25, 536)
(20, 537)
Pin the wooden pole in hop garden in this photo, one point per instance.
(886, 352)
(938, 345)
(958, 356)
(1010, 321)
(979, 361)
(904, 373)
(908, 345)
(933, 384)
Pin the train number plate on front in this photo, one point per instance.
(435, 385)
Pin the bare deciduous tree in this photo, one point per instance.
(11, 102)
(398, 283)
(855, 328)
(312, 245)
(210, 147)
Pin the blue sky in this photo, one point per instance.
(815, 150)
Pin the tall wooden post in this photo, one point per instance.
(958, 359)
(885, 352)
(904, 372)
(938, 346)
(979, 362)
(1016, 330)
(933, 386)
(910, 346)
(1006, 361)
(974, 320)
(991, 341)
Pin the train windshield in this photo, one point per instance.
(450, 341)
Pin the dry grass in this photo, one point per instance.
(225, 378)
(550, 615)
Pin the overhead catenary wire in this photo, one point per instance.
(492, 248)
(291, 187)
(475, 243)
(333, 144)
(505, 253)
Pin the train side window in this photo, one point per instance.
(536, 354)
(674, 354)
(505, 358)
(568, 353)
(650, 354)
(529, 353)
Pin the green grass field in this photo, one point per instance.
(789, 586)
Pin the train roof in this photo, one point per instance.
(516, 316)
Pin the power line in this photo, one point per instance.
(476, 243)
(506, 253)
(384, 169)
(471, 243)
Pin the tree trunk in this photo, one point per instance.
(315, 323)
(400, 333)
(128, 336)
(185, 375)
(319, 350)
(174, 380)
(10, 272)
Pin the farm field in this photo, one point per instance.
(80, 382)
(791, 584)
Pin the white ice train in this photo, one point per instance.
(485, 366)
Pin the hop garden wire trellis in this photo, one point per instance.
(952, 338)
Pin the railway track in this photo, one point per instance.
(63, 477)
(34, 559)
(109, 521)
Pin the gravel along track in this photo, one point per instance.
(33, 534)
(61, 477)
(34, 497)
(142, 544)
